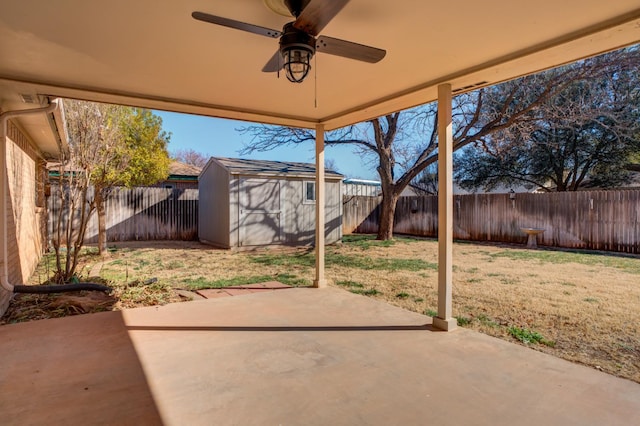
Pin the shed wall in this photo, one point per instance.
(261, 211)
(234, 211)
(214, 206)
(298, 219)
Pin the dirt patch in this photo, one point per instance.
(29, 307)
(579, 306)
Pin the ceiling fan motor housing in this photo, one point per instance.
(297, 49)
(296, 6)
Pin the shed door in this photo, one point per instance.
(260, 212)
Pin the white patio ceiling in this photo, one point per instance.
(153, 54)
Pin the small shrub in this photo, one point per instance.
(291, 279)
(368, 292)
(487, 321)
(351, 284)
(141, 264)
(527, 336)
(403, 295)
(430, 313)
(174, 264)
(462, 321)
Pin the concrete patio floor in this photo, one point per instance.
(301, 356)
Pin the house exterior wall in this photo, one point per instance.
(26, 212)
(358, 189)
(176, 184)
(214, 206)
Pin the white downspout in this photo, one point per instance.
(4, 118)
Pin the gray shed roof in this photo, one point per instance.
(242, 166)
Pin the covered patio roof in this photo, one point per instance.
(154, 54)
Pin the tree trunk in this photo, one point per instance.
(387, 214)
(102, 222)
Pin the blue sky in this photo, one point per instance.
(218, 138)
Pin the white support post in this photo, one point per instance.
(320, 281)
(445, 320)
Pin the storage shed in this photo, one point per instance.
(255, 202)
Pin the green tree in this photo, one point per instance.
(136, 155)
(588, 131)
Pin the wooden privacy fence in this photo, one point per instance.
(596, 220)
(142, 214)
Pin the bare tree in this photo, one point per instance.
(92, 138)
(405, 143)
(426, 183)
(190, 156)
(588, 132)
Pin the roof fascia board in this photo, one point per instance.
(94, 94)
(608, 35)
(244, 174)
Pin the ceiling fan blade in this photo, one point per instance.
(275, 63)
(348, 49)
(317, 14)
(243, 26)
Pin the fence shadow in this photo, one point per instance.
(143, 214)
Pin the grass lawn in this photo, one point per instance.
(583, 307)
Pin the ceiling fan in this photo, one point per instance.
(298, 39)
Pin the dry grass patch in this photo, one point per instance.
(579, 306)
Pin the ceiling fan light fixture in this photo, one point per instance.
(297, 49)
(297, 63)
